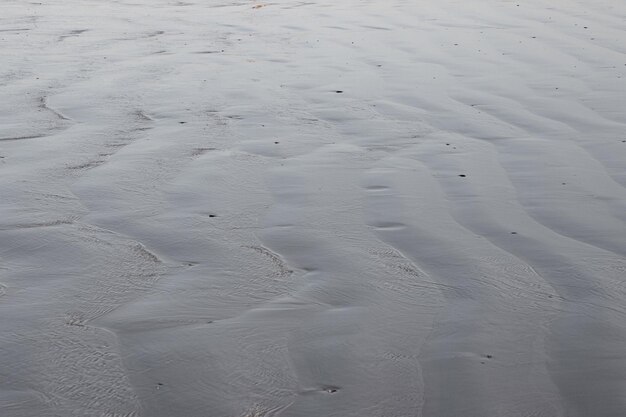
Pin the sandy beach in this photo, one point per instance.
(312, 208)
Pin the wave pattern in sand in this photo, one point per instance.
(357, 208)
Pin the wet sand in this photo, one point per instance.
(305, 209)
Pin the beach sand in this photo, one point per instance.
(313, 208)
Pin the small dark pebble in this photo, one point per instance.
(447, 144)
(212, 215)
(160, 384)
(462, 175)
(339, 91)
(182, 123)
(513, 233)
(488, 356)
(276, 143)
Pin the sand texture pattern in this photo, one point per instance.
(324, 208)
